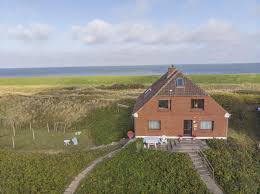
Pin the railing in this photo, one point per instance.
(207, 162)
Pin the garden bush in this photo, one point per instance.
(22, 172)
(144, 171)
(237, 168)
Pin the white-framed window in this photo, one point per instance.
(207, 125)
(197, 103)
(179, 82)
(154, 125)
(163, 104)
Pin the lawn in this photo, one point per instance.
(144, 171)
(24, 172)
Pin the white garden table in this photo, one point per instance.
(151, 141)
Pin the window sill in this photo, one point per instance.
(163, 109)
(205, 130)
(196, 109)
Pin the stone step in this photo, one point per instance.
(205, 174)
(198, 164)
(181, 150)
(203, 171)
(201, 168)
(195, 157)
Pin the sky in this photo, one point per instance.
(55, 33)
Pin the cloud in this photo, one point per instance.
(96, 31)
(31, 32)
(99, 31)
(214, 41)
(215, 31)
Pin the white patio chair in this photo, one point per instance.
(164, 139)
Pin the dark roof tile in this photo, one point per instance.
(166, 86)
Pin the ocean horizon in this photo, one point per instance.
(234, 68)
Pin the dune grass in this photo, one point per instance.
(92, 110)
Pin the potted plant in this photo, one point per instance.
(130, 134)
(180, 138)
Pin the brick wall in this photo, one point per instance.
(172, 121)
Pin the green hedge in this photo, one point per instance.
(109, 123)
(144, 171)
(41, 173)
(237, 165)
(244, 116)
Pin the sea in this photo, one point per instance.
(234, 68)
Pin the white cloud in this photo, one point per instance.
(99, 31)
(96, 31)
(215, 31)
(31, 32)
(213, 41)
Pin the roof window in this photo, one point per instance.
(179, 82)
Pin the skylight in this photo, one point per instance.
(179, 82)
(147, 91)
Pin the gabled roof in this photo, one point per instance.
(166, 86)
(189, 89)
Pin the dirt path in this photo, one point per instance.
(75, 183)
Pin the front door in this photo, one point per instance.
(187, 128)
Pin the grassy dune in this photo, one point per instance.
(108, 80)
(88, 104)
(76, 81)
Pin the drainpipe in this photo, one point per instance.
(227, 116)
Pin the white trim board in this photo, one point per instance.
(177, 137)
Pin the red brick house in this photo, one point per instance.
(176, 107)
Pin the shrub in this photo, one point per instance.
(148, 171)
(41, 173)
(235, 164)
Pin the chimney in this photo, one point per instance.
(171, 70)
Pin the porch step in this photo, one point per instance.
(184, 150)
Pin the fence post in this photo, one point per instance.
(13, 130)
(33, 134)
(13, 142)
